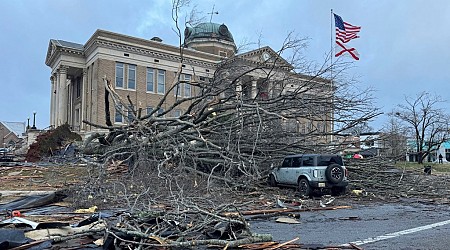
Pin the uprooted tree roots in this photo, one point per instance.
(49, 142)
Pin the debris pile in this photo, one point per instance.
(51, 141)
(42, 221)
(186, 225)
(378, 178)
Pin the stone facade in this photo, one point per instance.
(78, 91)
(77, 73)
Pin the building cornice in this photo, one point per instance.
(54, 51)
(148, 52)
(157, 50)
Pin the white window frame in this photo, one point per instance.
(131, 72)
(152, 78)
(161, 82)
(118, 114)
(120, 67)
(177, 90)
(149, 109)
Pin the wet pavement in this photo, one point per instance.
(373, 226)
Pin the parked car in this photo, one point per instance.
(6, 155)
(309, 172)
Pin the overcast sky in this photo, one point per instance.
(404, 45)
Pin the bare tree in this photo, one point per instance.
(394, 139)
(363, 127)
(429, 123)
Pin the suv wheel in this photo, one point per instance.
(272, 181)
(304, 188)
(334, 173)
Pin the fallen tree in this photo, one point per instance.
(231, 131)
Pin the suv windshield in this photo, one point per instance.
(325, 160)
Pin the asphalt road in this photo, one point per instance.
(377, 226)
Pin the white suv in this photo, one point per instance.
(311, 171)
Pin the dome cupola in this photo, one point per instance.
(211, 38)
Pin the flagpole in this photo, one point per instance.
(331, 45)
(331, 70)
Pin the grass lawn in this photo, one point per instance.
(442, 168)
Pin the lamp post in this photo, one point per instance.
(28, 123)
(34, 120)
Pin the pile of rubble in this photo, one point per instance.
(43, 220)
(375, 177)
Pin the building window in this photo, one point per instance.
(118, 118)
(78, 87)
(177, 90)
(161, 81)
(177, 113)
(150, 80)
(187, 86)
(131, 76)
(130, 114)
(321, 126)
(149, 110)
(160, 111)
(77, 116)
(119, 75)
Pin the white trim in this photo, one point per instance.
(135, 77)
(123, 76)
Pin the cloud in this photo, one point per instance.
(155, 16)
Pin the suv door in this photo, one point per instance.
(294, 171)
(282, 171)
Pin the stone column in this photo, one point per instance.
(56, 96)
(84, 93)
(52, 101)
(62, 118)
(69, 86)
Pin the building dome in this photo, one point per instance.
(208, 30)
(211, 38)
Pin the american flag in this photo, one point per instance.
(345, 32)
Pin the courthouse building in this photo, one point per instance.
(143, 69)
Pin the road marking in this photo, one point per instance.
(397, 234)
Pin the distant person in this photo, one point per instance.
(440, 158)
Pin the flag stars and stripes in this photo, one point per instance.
(345, 32)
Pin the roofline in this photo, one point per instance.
(51, 56)
(170, 48)
(12, 130)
